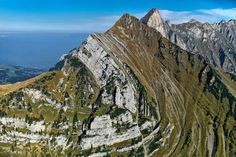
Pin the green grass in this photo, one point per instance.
(104, 109)
(49, 112)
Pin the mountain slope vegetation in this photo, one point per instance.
(126, 92)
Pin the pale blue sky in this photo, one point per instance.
(91, 15)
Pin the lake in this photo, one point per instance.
(37, 49)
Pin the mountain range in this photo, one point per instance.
(215, 42)
(131, 91)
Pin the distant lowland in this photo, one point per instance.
(11, 74)
(144, 88)
(24, 55)
(37, 49)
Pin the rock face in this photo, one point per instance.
(215, 42)
(153, 19)
(227, 29)
(127, 92)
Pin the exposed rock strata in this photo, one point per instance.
(215, 42)
(128, 92)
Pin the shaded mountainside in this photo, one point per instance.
(12, 74)
(127, 92)
(215, 42)
(228, 29)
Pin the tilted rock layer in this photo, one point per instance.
(128, 92)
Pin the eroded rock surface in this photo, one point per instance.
(215, 42)
(127, 92)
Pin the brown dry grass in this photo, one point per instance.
(8, 88)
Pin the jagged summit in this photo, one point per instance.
(153, 19)
(215, 42)
(126, 19)
(153, 11)
(228, 22)
(194, 21)
(222, 21)
(154, 14)
(232, 20)
(126, 92)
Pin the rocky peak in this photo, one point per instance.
(232, 20)
(126, 21)
(229, 23)
(131, 27)
(194, 21)
(153, 19)
(201, 38)
(222, 21)
(128, 91)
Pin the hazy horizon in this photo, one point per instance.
(37, 33)
(37, 49)
(92, 16)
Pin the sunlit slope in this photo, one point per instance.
(127, 92)
(6, 89)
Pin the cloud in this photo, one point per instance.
(203, 15)
(92, 24)
(229, 13)
(102, 23)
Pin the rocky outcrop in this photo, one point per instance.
(228, 30)
(153, 19)
(128, 91)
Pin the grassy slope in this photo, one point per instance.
(6, 89)
(187, 97)
(173, 78)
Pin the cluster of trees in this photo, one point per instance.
(2, 113)
(30, 120)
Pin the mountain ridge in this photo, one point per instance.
(215, 42)
(128, 91)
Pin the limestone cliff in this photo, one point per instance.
(128, 91)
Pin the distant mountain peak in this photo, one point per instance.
(153, 19)
(153, 13)
(222, 22)
(126, 21)
(126, 91)
(194, 21)
(127, 17)
(213, 37)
